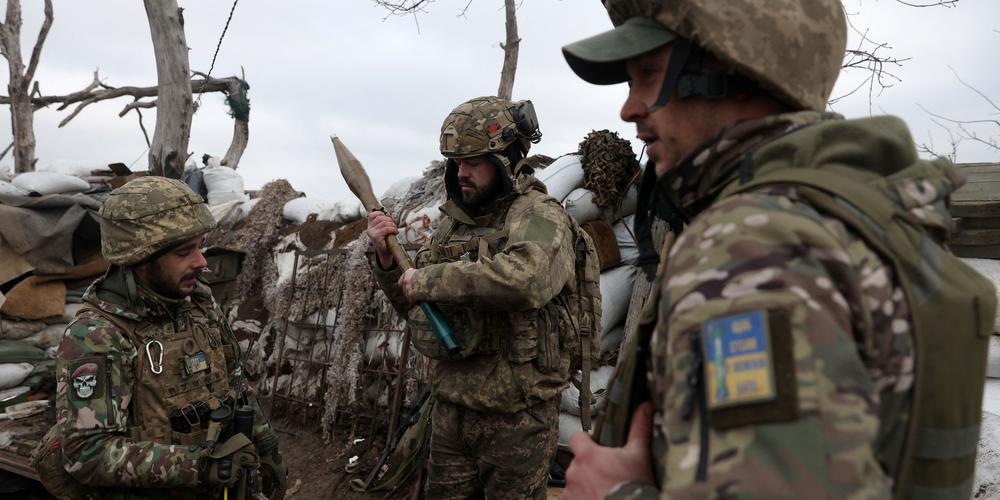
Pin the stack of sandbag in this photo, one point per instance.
(597, 186)
(43, 183)
(26, 373)
(224, 185)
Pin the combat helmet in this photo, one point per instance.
(150, 214)
(792, 49)
(490, 126)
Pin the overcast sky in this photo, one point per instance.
(384, 85)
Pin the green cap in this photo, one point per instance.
(601, 58)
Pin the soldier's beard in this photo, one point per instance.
(161, 282)
(481, 195)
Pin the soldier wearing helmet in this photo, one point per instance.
(805, 286)
(501, 266)
(146, 360)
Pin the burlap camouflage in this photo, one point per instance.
(149, 214)
(119, 374)
(838, 324)
(793, 49)
(514, 452)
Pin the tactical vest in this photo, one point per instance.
(561, 336)
(180, 374)
(952, 309)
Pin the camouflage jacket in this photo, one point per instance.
(491, 276)
(113, 434)
(782, 356)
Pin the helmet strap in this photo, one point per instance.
(686, 74)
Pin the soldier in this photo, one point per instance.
(501, 267)
(788, 351)
(145, 362)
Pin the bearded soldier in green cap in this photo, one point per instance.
(515, 278)
(147, 361)
(811, 335)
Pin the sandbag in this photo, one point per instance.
(16, 330)
(224, 185)
(579, 203)
(616, 293)
(8, 189)
(12, 374)
(50, 183)
(562, 176)
(6, 172)
(15, 351)
(628, 249)
(35, 299)
(569, 399)
(568, 425)
(49, 336)
(344, 211)
(612, 341)
(989, 268)
(339, 211)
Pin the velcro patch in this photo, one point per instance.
(86, 379)
(738, 365)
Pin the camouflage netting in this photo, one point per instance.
(609, 166)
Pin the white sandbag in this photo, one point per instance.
(75, 168)
(12, 374)
(227, 210)
(990, 269)
(613, 340)
(6, 172)
(299, 209)
(8, 189)
(579, 203)
(17, 330)
(568, 425)
(50, 336)
(50, 183)
(993, 361)
(627, 246)
(562, 176)
(399, 189)
(224, 185)
(616, 292)
(569, 400)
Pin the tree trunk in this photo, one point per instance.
(168, 151)
(21, 108)
(510, 47)
(241, 135)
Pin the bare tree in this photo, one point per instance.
(985, 131)
(22, 112)
(168, 150)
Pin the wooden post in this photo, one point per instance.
(168, 151)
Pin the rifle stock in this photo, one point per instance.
(359, 183)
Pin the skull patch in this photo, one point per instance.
(84, 380)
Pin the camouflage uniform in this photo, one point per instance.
(782, 351)
(121, 370)
(500, 279)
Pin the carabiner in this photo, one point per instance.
(157, 366)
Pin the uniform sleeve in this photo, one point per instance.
(94, 392)
(763, 391)
(532, 268)
(387, 280)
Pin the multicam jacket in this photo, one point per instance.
(499, 279)
(122, 367)
(782, 356)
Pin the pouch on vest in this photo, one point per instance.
(952, 309)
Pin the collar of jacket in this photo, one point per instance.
(119, 293)
(698, 179)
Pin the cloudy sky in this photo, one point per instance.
(385, 84)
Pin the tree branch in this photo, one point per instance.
(36, 52)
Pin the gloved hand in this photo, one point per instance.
(273, 475)
(222, 467)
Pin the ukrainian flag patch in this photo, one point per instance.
(739, 368)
